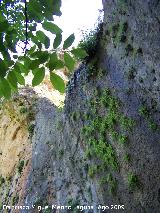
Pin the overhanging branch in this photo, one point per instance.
(26, 26)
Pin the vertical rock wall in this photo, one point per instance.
(132, 58)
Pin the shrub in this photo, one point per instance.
(91, 40)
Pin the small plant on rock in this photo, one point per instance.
(15, 200)
(144, 111)
(20, 167)
(127, 158)
(23, 110)
(90, 41)
(31, 129)
(2, 180)
(133, 181)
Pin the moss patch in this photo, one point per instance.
(104, 125)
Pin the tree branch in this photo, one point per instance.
(26, 26)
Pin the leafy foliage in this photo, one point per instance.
(57, 40)
(18, 30)
(57, 82)
(69, 61)
(38, 76)
(79, 53)
(53, 28)
(68, 42)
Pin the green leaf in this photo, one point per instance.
(5, 88)
(69, 61)
(52, 7)
(34, 64)
(39, 45)
(17, 67)
(43, 38)
(53, 28)
(12, 79)
(57, 40)
(2, 47)
(56, 7)
(52, 61)
(57, 82)
(3, 68)
(35, 11)
(20, 67)
(32, 27)
(35, 54)
(2, 18)
(4, 26)
(59, 65)
(20, 78)
(34, 39)
(27, 63)
(1, 93)
(32, 50)
(9, 63)
(42, 56)
(9, 42)
(47, 42)
(39, 74)
(79, 53)
(6, 55)
(69, 41)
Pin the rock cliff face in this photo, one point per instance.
(16, 128)
(104, 148)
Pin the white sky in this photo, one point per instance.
(78, 15)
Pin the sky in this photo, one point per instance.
(78, 15)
